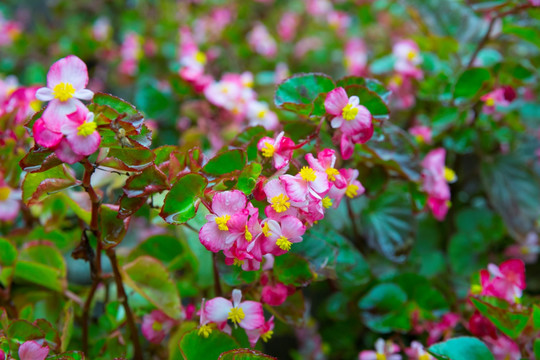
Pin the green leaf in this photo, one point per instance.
(371, 84)
(420, 290)
(48, 277)
(44, 253)
(244, 354)
(37, 186)
(528, 33)
(22, 330)
(153, 102)
(382, 65)
(248, 178)
(471, 82)
(537, 348)
(8, 253)
(150, 279)
(195, 347)
(370, 99)
(128, 159)
(67, 326)
(113, 229)
(536, 317)
(384, 297)
(509, 322)
(226, 162)
(151, 180)
(163, 247)
(120, 105)
(180, 202)
(291, 269)
(461, 348)
(298, 93)
(39, 159)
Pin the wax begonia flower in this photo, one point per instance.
(280, 203)
(10, 201)
(482, 327)
(417, 352)
(503, 348)
(286, 28)
(281, 235)
(262, 42)
(318, 7)
(355, 57)
(325, 162)
(435, 178)
(275, 294)
(402, 91)
(31, 350)
(442, 328)
(205, 326)
(66, 84)
(339, 20)
(214, 235)
(258, 113)
(408, 58)
(502, 96)
(349, 186)
(349, 115)
(421, 133)
(279, 149)
(506, 281)
(265, 332)
(246, 314)
(156, 326)
(307, 182)
(22, 103)
(2, 355)
(383, 351)
(131, 52)
(527, 250)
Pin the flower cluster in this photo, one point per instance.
(506, 281)
(67, 126)
(407, 60)
(9, 31)
(435, 178)
(294, 202)
(218, 312)
(387, 350)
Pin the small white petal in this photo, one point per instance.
(84, 94)
(44, 94)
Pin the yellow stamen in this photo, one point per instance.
(331, 172)
(283, 243)
(525, 250)
(4, 193)
(326, 202)
(225, 89)
(238, 262)
(205, 330)
(86, 128)
(35, 105)
(280, 203)
(236, 315)
(267, 335)
(411, 55)
(308, 174)
(490, 101)
(63, 91)
(476, 289)
(266, 230)
(424, 356)
(261, 114)
(268, 150)
(449, 175)
(380, 356)
(157, 326)
(419, 139)
(222, 222)
(248, 235)
(397, 79)
(200, 57)
(349, 112)
(351, 191)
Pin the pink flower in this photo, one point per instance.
(279, 236)
(2, 355)
(506, 281)
(442, 328)
(435, 178)
(205, 326)
(318, 7)
(383, 350)
(280, 203)
(265, 332)
(355, 57)
(156, 326)
(262, 42)
(403, 93)
(247, 314)
(130, 52)
(287, 26)
(339, 20)
(482, 327)
(502, 96)
(307, 182)
(417, 352)
(22, 103)
(31, 350)
(503, 348)
(348, 186)
(279, 149)
(534, 2)
(275, 294)
(259, 114)
(421, 133)
(215, 234)
(408, 58)
(10, 200)
(66, 82)
(526, 250)
(325, 162)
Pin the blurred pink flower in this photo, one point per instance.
(31, 350)
(383, 350)
(156, 326)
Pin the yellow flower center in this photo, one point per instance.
(205, 330)
(225, 89)
(280, 203)
(266, 230)
(411, 55)
(4, 193)
(351, 191)
(157, 326)
(524, 249)
(283, 243)
(86, 128)
(267, 335)
(349, 112)
(222, 222)
(248, 235)
(35, 105)
(419, 139)
(63, 91)
(326, 202)
(236, 315)
(238, 262)
(200, 57)
(449, 175)
(424, 356)
(261, 114)
(331, 172)
(490, 101)
(380, 356)
(268, 150)
(308, 174)
(476, 289)
(397, 79)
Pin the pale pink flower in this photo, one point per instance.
(402, 91)
(355, 57)
(383, 350)
(7, 86)
(21, 103)
(130, 52)
(279, 202)
(526, 250)
(10, 201)
(417, 352)
(287, 25)
(279, 149)
(246, 314)
(9, 30)
(502, 96)
(279, 236)
(503, 348)
(318, 7)
(443, 328)
(339, 20)
(66, 84)
(325, 162)
(101, 29)
(348, 185)
(264, 332)
(435, 178)
(258, 113)
(307, 44)
(408, 58)
(156, 326)
(506, 281)
(534, 2)
(262, 42)
(307, 182)
(421, 133)
(349, 116)
(281, 72)
(31, 350)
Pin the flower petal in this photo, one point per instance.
(335, 101)
(254, 315)
(44, 94)
(71, 70)
(45, 137)
(217, 309)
